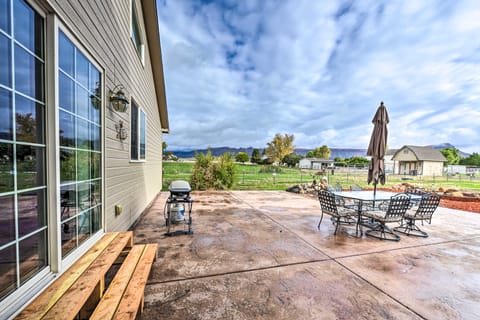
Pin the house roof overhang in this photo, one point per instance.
(153, 38)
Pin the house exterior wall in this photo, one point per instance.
(103, 28)
(305, 164)
(99, 31)
(432, 168)
(405, 155)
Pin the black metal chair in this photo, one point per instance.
(340, 215)
(427, 206)
(397, 207)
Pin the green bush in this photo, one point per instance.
(211, 173)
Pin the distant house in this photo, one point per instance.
(315, 163)
(389, 163)
(415, 160)
(83, 111)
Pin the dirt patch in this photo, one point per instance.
(472, 206)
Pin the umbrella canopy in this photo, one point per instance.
(378, 146)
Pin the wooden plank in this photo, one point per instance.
(133, 296)
(79, 292)
(40, 306)
(110, 301)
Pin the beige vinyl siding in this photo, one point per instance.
(103, 29)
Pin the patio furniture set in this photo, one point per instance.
(375, 210)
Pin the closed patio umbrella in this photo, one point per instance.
(377, 147)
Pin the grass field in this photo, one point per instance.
(249, 177)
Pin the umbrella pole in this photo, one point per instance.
(374, 193)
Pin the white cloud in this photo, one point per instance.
(239, 72)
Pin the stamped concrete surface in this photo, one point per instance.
(259, 255)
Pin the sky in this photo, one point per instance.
(238, 72)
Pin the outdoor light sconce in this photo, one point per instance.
(121, 131)
(118, 100)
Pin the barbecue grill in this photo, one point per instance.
(174, 211)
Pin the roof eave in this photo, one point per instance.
(153, 37)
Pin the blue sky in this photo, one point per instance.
(237, 72)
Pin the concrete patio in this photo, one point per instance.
(259, 255)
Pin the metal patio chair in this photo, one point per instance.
(340, 215)
(427, 206)
(397, 207)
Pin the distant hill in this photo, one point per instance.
(335, 152)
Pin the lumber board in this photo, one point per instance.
(40, 305)
(112, 297)
(79, 292)
(134, 294)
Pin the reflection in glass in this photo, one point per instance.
(65, 54)
(6, 167)
(28, 26)
(82, 134)
(84, 227)
(95, 137)
(94, 108)
(8, 271)
(83, 102)
(83, 165)
(5, 61)
(95, 85)
(134, 132)
(97, 193)
(29, 120)
(69, 236)
(6, 115)
(96, 219)
(5, 16)
(67, 165)
(31, 211)
(7, 219)
(66, 96)
(30, 167)
(28, 74)
(67, 129)
(33, 255)
(96, 164)
(68, 202)
(142, 135)
(82, 69)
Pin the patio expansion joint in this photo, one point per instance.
(220, 274)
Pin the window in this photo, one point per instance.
(138, 133)
(23, 234)
(80, 101)
(136, 32)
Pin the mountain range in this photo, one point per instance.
(335, 152)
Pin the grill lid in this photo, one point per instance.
(179, 186)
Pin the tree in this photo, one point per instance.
(292, 159)
(353, 161)
(322, 152)
(280, 147)
(242, 157)
(471, 160)
(451, 154)
(256, 157)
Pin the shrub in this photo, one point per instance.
(211, 173)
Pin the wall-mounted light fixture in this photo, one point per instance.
(118, 101)
(121, 130)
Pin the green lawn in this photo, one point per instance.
(249, 177)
